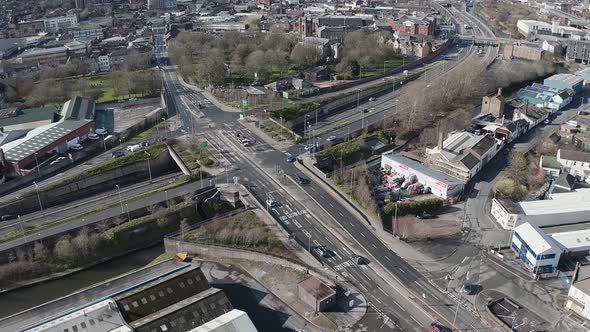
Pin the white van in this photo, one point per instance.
(133, 148)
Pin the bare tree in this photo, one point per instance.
(40, 252)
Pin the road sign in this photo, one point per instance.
(285, 95)
(245, 103)
(205, 143)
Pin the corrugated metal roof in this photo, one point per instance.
(535, 238)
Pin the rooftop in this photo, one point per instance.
(574, 155)
(233, 321)
(567, 78)
(550, 162)
(574, 240)
(316, 288)
(30, 115)
(419, 167)
(560, 203)
(536, 239)
(43, 51)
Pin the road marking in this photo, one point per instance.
(297, 223)
(373, 244)
(387, 257)
(414, 319)
(402, 269)
(363, 234)
(327, 239)
(306, 233)
(316, 242)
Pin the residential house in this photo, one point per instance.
(532, 114)
(422, 49)
(424, 25)
(550, 166)
(564, 183)
(493, 104)
(462, 154)
(582, 141)
(576, 163)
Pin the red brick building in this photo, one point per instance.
(313, 292)
(423, 26)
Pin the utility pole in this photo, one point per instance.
(37, 162)
(39, 197)
(149, 166)
(120, 200)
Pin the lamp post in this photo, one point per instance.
(39, 197)
(128, 215)
(37, 162)
(166, 194)
(120, 200)
(149, 166)
(165, 127)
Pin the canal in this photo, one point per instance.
(25, 298)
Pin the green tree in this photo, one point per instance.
(305, 55)
(212, 67)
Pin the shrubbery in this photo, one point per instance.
(428, 205)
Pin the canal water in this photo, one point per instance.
(25, 298)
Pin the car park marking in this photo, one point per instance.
(342, 266)
(297, 223)
(306, 233)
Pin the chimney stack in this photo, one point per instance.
(440, 140)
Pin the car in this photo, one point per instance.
(93, 136)
(76, 147)
(366, 110)
(247, 144)
(301, 179)
(101, 131)
(134, 147)
(117, 153)
(372, 99)
(331, 138)
(6, 217)
(425, 215)
(308, 147)
(144, 144)
(469, 288)
(290, 158)
(132, 99)
(547, 121)
(359, 260)
(271, 203)
(322, 251)
(434, 327)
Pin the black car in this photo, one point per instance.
(6, 217)
(301, 179)
(470, 289)
(117, 153)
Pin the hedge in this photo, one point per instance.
(430, 205)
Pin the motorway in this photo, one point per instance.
(264, 170)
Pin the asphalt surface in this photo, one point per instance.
(84, 297)
(255, 167)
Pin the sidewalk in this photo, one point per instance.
(401, 248)
(208, 95)
(281, 146)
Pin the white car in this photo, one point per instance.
(93, 136)
(76, 147)
(133, 148)
(101, 131)
(331, 138)
(546, 121)
(271, 203)
(372, 99)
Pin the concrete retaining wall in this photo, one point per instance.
(91, 185)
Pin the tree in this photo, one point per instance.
(65, 251)
(40, 252)
(517, 169)
(257, 65)
(305, 55)
(253, 22)
(277, 60)
(212, 67)
(510, 188)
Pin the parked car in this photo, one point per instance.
(425, 215)
(290, 158)
(76, 147)
(101, 131)
(372, 99)
(366, 110)
(133, 148)
(132, 99)
(359, 260)
(93, 136)
(143, 144)
(271, 203)
(57, 160)
(117, 153)
(331, 138)
(547, 121)
(6, 217)
(434, 327)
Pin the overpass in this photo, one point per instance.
(495, 41)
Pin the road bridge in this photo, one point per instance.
(495, 41)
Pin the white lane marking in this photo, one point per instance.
(316, 242)
(387, 257)
(414, 319)
(363, 235)
(332, 243)
(297, 223)
(401, 308)
(402, 269)
(288, 208)
(374, 246)
(382, 291)
(306, 233)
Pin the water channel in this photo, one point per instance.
(25, 298)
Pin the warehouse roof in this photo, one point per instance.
(78, 108)
(419, 167)
(574, 240)
(574, 155)
(43, 51)
(29, 115)
(566, 78)
(233, 321)
(560, 203)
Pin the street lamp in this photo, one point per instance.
(37, 162)
(149, 166)
(128, 215)
(39, 197)
(165, 127)
(166, 194)
(120, 200)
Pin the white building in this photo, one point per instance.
(440, 184)
(233, 321)
(462, 155)
(559, 209)
(578, 297)
(98, 317)
(539, 29)
(537, 250)
(59, 23)
(104, 63)
(576, 163)
(506, 212)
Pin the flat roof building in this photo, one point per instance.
(564, 81)
(233, 321)
(560, 209)
(535, 249)
(313, 292)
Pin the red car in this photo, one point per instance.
(439, 328)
